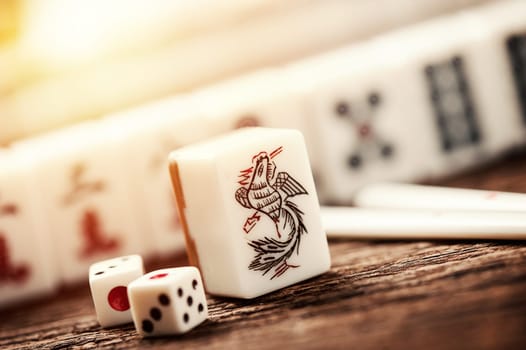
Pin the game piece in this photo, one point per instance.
(86, 194)
(168, 301)
(152, 132)
(499, 66)
(363, 223)
(109, 280)
(250, 211)
(266, 99)
(406, 196)
(27, 265)
(443, 118)
(360, 120)
(516, 45)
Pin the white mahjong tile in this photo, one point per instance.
(251, 211)
(366, 123)
(438, 81)
(497, 61)
(87, 197)
(153, 132)
(267, 98)
(27, 265)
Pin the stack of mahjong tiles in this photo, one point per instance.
(55, 75)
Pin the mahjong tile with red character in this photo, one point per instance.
(266, 98)
(27, 265)
(153, 132)
(250, 211)
(86, 195)
(269, 98)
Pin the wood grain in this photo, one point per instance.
(377, 295)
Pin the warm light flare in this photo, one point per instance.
(71, 32)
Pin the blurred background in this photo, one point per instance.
(62, 61)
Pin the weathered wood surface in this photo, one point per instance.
(378, 295)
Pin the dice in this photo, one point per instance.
(108, 282)
(250, 212)
(168, 301)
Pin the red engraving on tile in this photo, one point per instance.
(492, 195)
(271, 194)
(8, 209)
(158, 276)
(95, 239)
(247, 121)
(118, 299)
(81, 186)
(282, 268)
(9, 272)
(251, 222)
(244, 176)
(276, 152)
(365, 130)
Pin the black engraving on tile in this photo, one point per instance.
(452, 103)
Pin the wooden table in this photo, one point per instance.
(378, 294)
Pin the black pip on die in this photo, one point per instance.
(168, 301)
(250, 212)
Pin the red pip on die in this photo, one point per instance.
(108, 282)
(168, 301)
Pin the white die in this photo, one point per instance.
(168, 301)
(108, 281)
(250, 211)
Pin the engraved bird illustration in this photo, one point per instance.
(269, 195)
